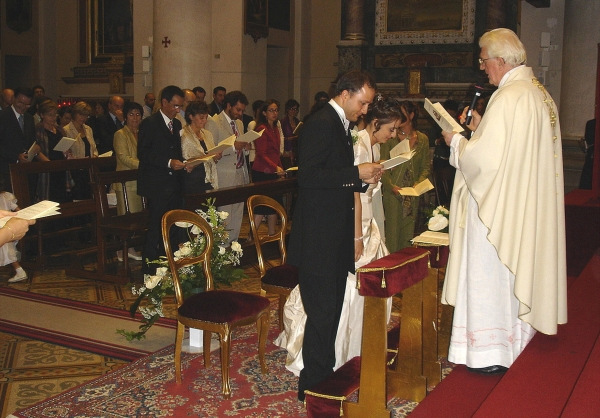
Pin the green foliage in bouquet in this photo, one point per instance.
(156, 287)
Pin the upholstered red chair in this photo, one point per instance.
(217, 311)
(280, 278)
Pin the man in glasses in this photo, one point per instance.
(159, 173)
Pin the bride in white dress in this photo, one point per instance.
(381, 122)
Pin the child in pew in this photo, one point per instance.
(8, 251)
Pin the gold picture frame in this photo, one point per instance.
(424, 22)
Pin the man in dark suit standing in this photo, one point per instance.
(159, 172)
(109, 123)
(17, 133)
(322, 239)
(217, 105)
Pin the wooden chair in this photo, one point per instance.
(212, 310)
(128, 228)
(281, 278)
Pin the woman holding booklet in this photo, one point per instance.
(381, 122)
(195, 142)
(401, 210)
(267, 160)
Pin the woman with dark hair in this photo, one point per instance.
(381, 122)
(267, 161)
(195, 142)
(51, 186)
(401, 211)
(125, 142)
(288, 124)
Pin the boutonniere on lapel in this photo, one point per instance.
(354, 136)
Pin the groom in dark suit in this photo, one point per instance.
(159, 172)
(322, 239)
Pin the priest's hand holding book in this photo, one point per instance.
(475, 119)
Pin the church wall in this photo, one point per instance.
(580, 58)
(143, 19)
(546, 61)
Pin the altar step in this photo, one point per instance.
(555, 375)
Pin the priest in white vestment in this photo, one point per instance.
(506, 275)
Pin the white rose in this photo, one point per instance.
(185, 250)
(235, 246)
(437, 223)
(151, 281)
(223, 215)
(195, 230)
(221, 250)
(161, 271)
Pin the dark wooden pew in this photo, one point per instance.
(20, 179)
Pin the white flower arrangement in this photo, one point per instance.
(223, 261)
(439, 219)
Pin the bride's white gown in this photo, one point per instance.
(349, 334)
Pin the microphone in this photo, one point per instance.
(473, 103)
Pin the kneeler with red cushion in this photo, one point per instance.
(383, 278)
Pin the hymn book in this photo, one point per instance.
(432, 238)
(418, 190)
(64, 144)
(442, 117)
(38, 210)
(401, 153)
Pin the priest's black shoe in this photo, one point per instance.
(496, 369)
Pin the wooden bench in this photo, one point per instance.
(20, 179)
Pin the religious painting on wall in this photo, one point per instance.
(414, 22)
(256, 18)
(114, 27)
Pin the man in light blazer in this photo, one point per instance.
(231, 169)
(322, 239)
(161, 165)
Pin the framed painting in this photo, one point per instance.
(106, 29)
(409, 22)
(256, 18)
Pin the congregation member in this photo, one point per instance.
(14, 229)
(200, 93)
(160, 168)
(83, 147)
(51, 186)
(38, 91)
(126, 143)
(196, 140)
(17, 134)
(288, 124)
(322, 240)
(65, 115)
(256, 108)
(267, 160)
(401, 211)
(231, 169)
(506, 276)
(149, 101)
(188, 97)
(109, 123)
(217, 105)
(381, 121)
(7, 97)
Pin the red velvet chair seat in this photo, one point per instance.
(285, 276)
(220, 306)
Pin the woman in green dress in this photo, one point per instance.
(401, 211)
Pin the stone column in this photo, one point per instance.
(182, 39)
(354, 20)
(351, 48)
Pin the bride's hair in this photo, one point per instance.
(384, 110)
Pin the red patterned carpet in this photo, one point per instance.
(147, 387)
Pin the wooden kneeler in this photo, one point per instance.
(403, 271)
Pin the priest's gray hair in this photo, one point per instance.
(504, 43)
